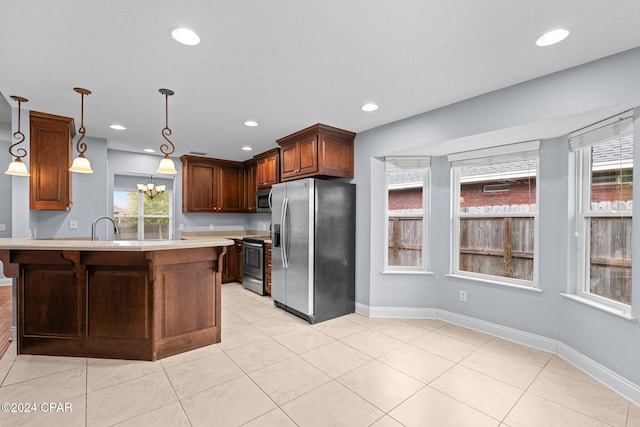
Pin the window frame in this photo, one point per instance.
(419, 164)
(141, 217)
(584, 214)
(493, 155)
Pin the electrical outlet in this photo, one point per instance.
(181, 227)
(463, 296)
(211, 227)
(73, 224)
(3, 227)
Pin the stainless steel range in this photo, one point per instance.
(253, 264)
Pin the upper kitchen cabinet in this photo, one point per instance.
(50, 159)
(319, 150)
(268, 168)
(249, 186)
(211, 185)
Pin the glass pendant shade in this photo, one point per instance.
(81, 165)
(167, 167)
(17, 168)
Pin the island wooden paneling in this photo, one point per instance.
(126, 305)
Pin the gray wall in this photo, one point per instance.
(5, 187)
(89, 196)
(605, 338)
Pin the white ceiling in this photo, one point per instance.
(287, 64)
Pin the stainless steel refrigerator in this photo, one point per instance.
(313, 248)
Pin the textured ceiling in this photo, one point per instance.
(287, 64)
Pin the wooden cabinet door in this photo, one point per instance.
(238, 245)
(307, 155)
(268, 168)
(50, 159)
(249, 187)
(197, 187)
(267, 268)
(227, 188)
(288, 161)
(261, 166)
(229, 265)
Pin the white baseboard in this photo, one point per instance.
(510, 334)
(608, 378)
(362, 309)
(600, 373)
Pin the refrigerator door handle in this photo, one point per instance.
(270, 199)
(283, 221)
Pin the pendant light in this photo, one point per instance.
(166, 164)
(81, 163)
(17, 167)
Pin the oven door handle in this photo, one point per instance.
(252, 245)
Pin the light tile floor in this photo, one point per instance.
(273, 369)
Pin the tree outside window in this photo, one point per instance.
(142, 218)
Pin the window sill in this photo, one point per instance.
(602, 307)
(495, 282)
(405, 272)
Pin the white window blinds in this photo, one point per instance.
(495, 155)
(616, 127)
(408, 162)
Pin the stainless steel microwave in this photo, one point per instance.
(263, 200)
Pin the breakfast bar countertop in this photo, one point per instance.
(110, 245)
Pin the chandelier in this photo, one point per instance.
(150, 189)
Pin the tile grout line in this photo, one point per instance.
(164, 369)
(561, 404)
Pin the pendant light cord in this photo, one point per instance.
(19, 152)
(166, 132)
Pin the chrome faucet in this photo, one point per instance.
(93, 226)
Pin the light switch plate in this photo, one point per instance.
(73, 224)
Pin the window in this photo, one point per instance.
(406, 213)
(495, 231)
(605, 210)
(140, 217)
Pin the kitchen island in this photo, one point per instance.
(141, 300)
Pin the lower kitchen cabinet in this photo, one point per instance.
(267, 268)
(232, 263)
(238, 247)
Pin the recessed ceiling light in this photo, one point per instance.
(247, 148)
(149, 150)
(116, 126)
(369, 107)
(552, 37)
(251, 123)
(185, 36)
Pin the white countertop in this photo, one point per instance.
(110, 245)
